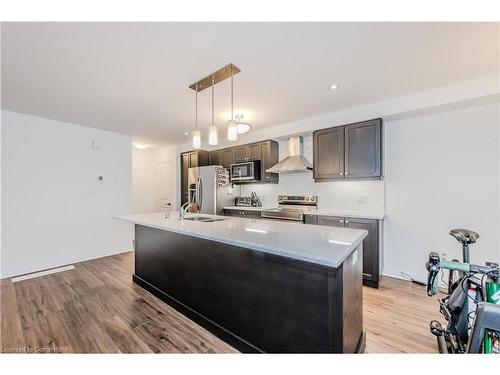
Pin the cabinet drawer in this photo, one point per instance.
(243, 213)
(310, 219)
(331, 221)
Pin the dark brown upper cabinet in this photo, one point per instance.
(352, 151)
(198, 158)
(241, 153)
(270, 157)
(363, 149)
(214, 157)
(255, 151)
(228, 157)
(248, 152)
(328, 145)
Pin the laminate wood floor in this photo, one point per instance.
(96, 308)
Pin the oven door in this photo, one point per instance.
(243, 172)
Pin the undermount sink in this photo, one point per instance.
(203, 219)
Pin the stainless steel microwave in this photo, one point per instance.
(246, 172)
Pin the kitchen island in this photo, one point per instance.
(262, 286)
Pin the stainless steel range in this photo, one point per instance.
(292, 207)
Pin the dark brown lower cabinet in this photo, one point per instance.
(371, 261)
(249, 214)
(371, 247)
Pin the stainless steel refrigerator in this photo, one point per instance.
(208, 188)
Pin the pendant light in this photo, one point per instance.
(243, 127)
(196, 132)
(212, 134)
(232, 126)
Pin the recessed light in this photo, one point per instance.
(333, 86)
(186, 133)
(141, 146)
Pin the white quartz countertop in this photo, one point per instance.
(244, 208)
(318, 244)
(359, 215)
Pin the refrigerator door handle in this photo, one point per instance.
(199, 195)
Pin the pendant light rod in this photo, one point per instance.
(232, 114)
(212, 133)
(196, 109)
(213, 84)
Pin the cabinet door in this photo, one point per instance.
(227, 157)
(331, 221)
(184, 177)
(255, 151)
(270, 157)
(370, 246)
(241, 153)
(363, 149)
(243, 213)
(214, 158)
(328, 149)
(193, 159)
(310, 219)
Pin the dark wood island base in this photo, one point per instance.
(255, 301)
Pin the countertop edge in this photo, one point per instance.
(253, 246)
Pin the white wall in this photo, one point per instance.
(356, 197)
(54, 209)
(144, 165)
(143, 180)
(442, 172)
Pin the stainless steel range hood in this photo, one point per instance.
(295, 162)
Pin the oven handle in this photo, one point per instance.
(268, 216)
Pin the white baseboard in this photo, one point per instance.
(42, 273)
(397, 274)
(4, 275)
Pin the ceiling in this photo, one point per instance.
(133, 78)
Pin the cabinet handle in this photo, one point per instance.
(341, 221)
(267, 177)
(342, 173)
(347, 221)
(346, 173)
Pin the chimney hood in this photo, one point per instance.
(295, 162)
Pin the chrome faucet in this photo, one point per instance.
(184, 208)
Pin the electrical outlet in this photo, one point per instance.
(444, 255)
(362, 200)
